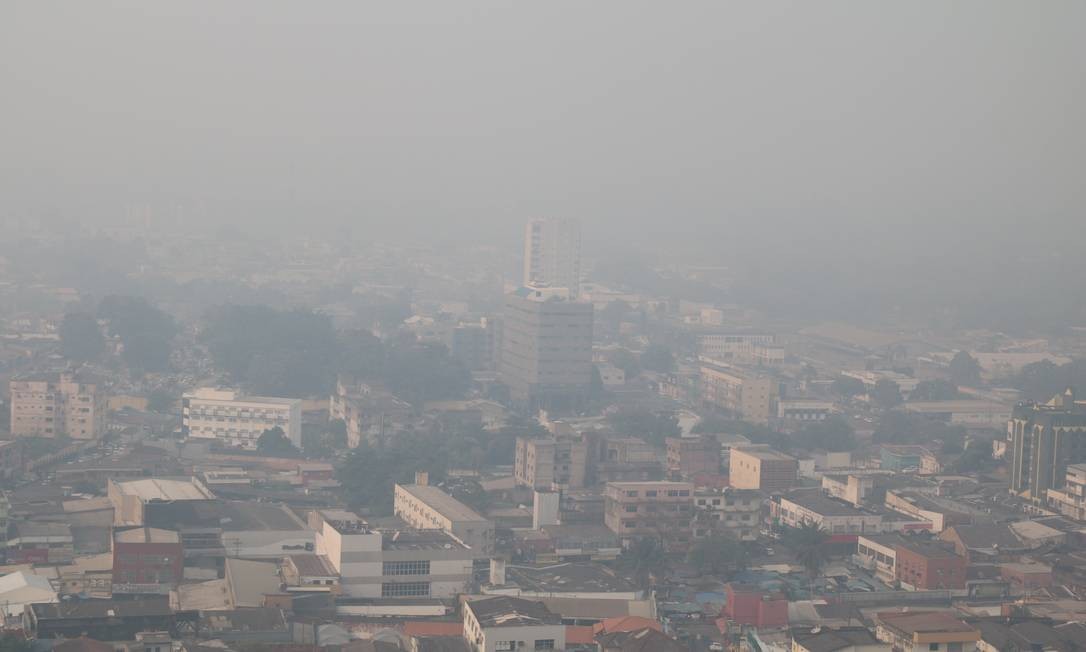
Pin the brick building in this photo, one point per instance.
(927, 566)
(146, 561)
(688, 456)
(762, 468)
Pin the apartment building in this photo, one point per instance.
(238, 421)
(748, 395)
(736, 513)
(547, 463)
(1044, 440)
(371, 414)
(546, 354)
(552, 254)
(393, 563)
(57, 406)
(734, 347)
(424, 507)
(625, 459)
(661, 510)
(761, 468)
(689, 456)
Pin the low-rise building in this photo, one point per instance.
(135, 500)
(926, 566)
(878, 553)
(1070, 500)
(842, 639)
(914, 631)
(762, 468)
(751, 605)
(508, 624)
(554, 462)
(751, 396)
(370, 413)
(853, 488)
(968, 413)
(736, 513)
(390, 564)
(425, 507)
(146, 561)
(835, 517)
(660, 510)
(689, 456)
(798, 411)
(238, 421)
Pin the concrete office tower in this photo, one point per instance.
(552, 254)
(546, 358)
(1044, 440)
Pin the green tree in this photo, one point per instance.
(833, 435)
(934, 390)
(646, 559)
(653, 427)
(717, 553)
(658, 358)
(324, 439)
(625, 360)
(847, 386)
(273, 441)
(886, 394)
(159, 400)
(80, 337)
(370, 471)
(15, 643)
(146, 332)
(964, 369)
(808, 541)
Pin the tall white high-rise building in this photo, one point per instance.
(552, 254)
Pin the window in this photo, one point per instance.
(631, 494)
(632, 509)
(405, 589)
(933, 646)
(544, 644)
(406, 567)
(505, 646)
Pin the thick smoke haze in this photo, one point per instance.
(888, 120)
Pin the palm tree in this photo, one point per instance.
(809, 542)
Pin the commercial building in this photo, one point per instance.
(390, 564)
(762, 468)
(800, 410)
(371, 414)
(970, 414)
(135, 500)
(546, 355)
(842, 639)
(748, 395)
(146, 561)
(751, 605)
(424, 507)
(689, 456)
(57, 406)
(238, 421)
(547, 463)
(661, 510)
(476, 344)
(736, 513)
(508, 624)
(1044, 440)
(624, 459)
(913, 631)
(552, 254)
(926, 566)
(1071, 499)
(734, 347)
(810, 506)
(878, 553)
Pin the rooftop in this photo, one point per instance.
(418, 540)
(164, 489)
(764, 454)
(924, 622)
(146, 606)
(831, 640)
(820, 504)
(569, 578)
(313, 565)
(507, 611)
(443, 503)
(146, 535)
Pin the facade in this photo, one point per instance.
(546, 463)
(971, 414)
(370, 414)
(546, 355)
(752, 605)
(913, 631)
(61, 406)
(390, 564)
(928, 567)
(11, 459)
(661, 510)
(475, 344)
(425, 508)
(552, 254)
(1071, 499)
(1044, 440)
(509, 624)
(734, 347)
(802, 507)
(135, 501)
(843, 639)
(750, 396)
(761, 468)
(736, 513)
(802, 411)
(851, 487)
(878, 553)
(146, 561)
(688, 456)
(624, 459)
(238, 421)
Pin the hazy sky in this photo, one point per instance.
(738, 123)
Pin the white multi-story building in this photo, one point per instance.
(390, 564)
(58, 406)
(552, 254)
(508, 624)
(425, 507)
(236, 420)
